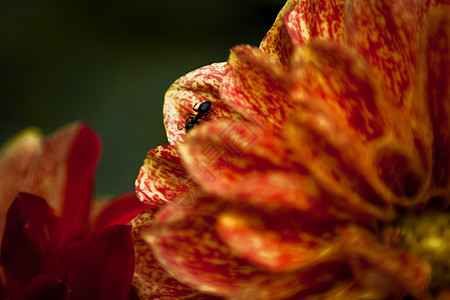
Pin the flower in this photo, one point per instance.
(324, 169)
(56, 248)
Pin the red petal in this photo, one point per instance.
(195, 87)
(63, 173)
(31, 234)
(163, 178)
(103, 266)
(46, 287)
(59, 262)
(150, 280)
(120, 211)
(14, 158)
(277, 42)
(254, 85)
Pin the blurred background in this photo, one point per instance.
(109, 63)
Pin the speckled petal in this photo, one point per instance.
(277, 42)
(316, 19)
(163, 178)
(390, 271)
(212, 151)
(195, 87)
(63, 172)
(150, 280)
(255, 86)
(279, 242)
(338, 76)
(386, 34)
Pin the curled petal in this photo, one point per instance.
(254, 85)
(163, 178)
(63, 173)
(150, 279)
(31, 234)
(102, 267)
(120, 211)
(389, 271)
(195, 87)
(277, 42)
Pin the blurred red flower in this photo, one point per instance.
(50, 249)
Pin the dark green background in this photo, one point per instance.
(109, 63)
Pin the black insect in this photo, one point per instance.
(202, 111)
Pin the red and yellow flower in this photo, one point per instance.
(323, 171)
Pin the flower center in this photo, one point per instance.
(428, 236)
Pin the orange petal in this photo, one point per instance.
(195, 87)
(282, 242)
(316, 19)
(163, 178)
(327, 149)
(337, 75)
(184, 241)
(254, 85)
(385, 33)
(14, 158)
(436, 83)
(390, 271)
(237, 162)
(218, 155)
(323, 281)
(63, 172)
(277, 42)
(150, 279)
